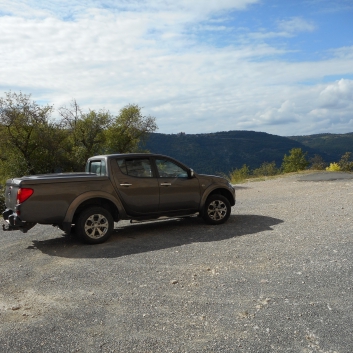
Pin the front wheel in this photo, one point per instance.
(216, 210)
(94, 225)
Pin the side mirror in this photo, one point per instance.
(191, 173)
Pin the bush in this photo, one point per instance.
(239, 175)
(345, 164)
(317, 163)
(334, 167)
(266, 169)
(295, 162)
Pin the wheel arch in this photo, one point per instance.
(94, 199)
(218, 191)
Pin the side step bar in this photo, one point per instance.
(163, 218)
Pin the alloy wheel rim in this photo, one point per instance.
(96, 226)
(217, 210)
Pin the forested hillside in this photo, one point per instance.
(333, 144)
(221, 152)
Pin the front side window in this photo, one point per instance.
(140, 168)
(168, 169)
(97, 167)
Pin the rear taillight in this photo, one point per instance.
(23, 194)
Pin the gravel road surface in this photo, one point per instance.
(277, 277)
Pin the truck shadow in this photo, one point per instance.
(130, 239)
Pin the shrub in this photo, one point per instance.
(334, 167)
(317, 163)
(266, 169)
(239, 175)
(295, 162)
(345, 163)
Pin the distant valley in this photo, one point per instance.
(222, 152)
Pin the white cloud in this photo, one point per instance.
(310, 109)
(295, 25)
(76, 8)
(106, 57)
(286, 28)
(337, 95)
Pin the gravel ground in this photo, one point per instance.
(277, 277)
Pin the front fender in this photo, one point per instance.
(92, 195)
(222, 190)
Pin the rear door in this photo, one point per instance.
(177, 191)
(137, 185)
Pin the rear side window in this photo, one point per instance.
(96, 167)
(140, 168)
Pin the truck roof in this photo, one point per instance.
(121, 155)
(130, 155)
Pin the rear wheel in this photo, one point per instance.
(94, 225)
(216, 210)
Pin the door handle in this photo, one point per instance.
(166, 184)
(125, 184)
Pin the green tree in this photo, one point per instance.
(295, 161)
(129, 129)
(33, 143)
(31, 140)
(345, 163)
(86, 134)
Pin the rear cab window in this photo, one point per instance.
(97, 167)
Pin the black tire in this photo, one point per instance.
(94, 225)
(216, 210)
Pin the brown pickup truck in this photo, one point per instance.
(115, 187)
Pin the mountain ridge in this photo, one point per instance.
(221, 152)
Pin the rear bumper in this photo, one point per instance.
(14, 222)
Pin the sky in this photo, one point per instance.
(197, 66)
